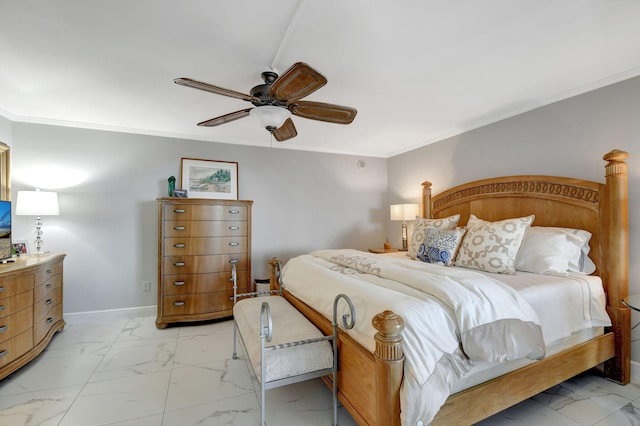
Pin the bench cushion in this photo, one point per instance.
(289, 325)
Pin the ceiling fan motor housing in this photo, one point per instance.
(263, 91)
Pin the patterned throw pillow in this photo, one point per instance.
(492, 246)
(440, 245)
(420, 230)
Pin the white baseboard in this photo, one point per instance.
(110, 314)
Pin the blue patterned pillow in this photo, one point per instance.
(440, 245)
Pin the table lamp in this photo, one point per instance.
(37, 203)
(404, 212)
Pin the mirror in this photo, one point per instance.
(5, 173)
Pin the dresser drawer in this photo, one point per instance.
(13, 304)
(204, 212)
(203, 264)
(19, 284)
(202, 283)
(13, 348)
(44, 305)
(205, 228)
(12, 325)
(188, 304)
(50, 285)
(208, 245)
(44, 274)
(43, 326)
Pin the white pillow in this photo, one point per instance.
(492, 246)
(420, 231)
(547, 251)
(565, 249)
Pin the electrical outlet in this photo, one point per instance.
(146, 286)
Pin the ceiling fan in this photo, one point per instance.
(278, 98)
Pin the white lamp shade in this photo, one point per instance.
(37, 203)
(270, 116)
(404, 211)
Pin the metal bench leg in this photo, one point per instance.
(235, 334)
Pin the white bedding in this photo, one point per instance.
(438, 320)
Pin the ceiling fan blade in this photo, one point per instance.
(323, 112)
(286, 131)
(225, 118)
(298, 81)
(215, 89)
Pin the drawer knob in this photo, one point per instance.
(2, 308)
(178, 283)
(234, 261)
(179, 211)
(48, 285)
(1, 289)
(49, 301)
(179, 228)
(234, 228)
(180, 245)
(48, 271)
(234, 243)
(49, 320)
(180, 303)
(4, 353)
(4, 328)
(179, 264)
(234, 211)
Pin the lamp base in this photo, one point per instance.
(405, 247)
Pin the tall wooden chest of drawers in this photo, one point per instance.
(197, 240)
(30, 308)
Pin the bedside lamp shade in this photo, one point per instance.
(37, 203)
(404, 212)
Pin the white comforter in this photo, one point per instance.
(452, 316)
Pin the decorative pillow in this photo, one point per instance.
(492, 246)
(420, 230)
(551, 249)
(440, 246)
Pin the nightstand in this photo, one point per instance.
(632, 302)
(383, 250)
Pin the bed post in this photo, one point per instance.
(615, 243)
(273, 279)
(426, 199)
(389, 359)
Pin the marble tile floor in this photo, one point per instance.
(105, 370)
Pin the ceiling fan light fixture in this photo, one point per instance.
(269, 116)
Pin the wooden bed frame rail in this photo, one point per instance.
(369, 384)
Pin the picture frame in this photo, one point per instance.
(20, 247)
(209, 178)
(180, 193)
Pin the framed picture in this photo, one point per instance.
(20, 247)
(209, 179)
(180, 193)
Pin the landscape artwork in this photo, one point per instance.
(210, 179)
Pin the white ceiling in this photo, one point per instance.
(417, 71)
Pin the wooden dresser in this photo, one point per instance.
(30, 308)
(197, 239)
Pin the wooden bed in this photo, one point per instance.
(373, 398)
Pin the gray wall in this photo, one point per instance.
(107, 183)
(5, 131)
(567, 138)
